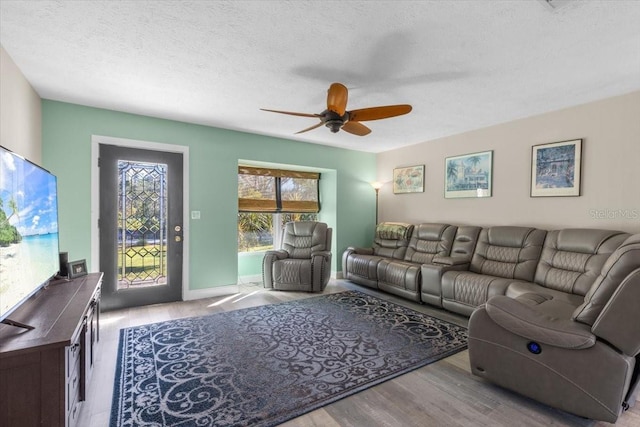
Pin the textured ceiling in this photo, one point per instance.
(463, 65)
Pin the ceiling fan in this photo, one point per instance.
(336, 116)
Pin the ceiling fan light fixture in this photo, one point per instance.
(334, 125)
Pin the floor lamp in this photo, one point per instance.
(376, 186)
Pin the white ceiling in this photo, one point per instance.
(463, 65)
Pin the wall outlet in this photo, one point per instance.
(195, 214)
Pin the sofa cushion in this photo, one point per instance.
(302, 238)
(572, 258)
(429, 240)
(400, 278)
(292, 271)
(463, 291)
(508, 252)
(362, 268)
(553, 303)
(391, 239)
(619, 265)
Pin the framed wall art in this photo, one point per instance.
(469, 175)
(556, 169)
(408, 179)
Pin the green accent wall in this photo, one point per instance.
(348, 201)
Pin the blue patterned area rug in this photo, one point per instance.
(264, 365)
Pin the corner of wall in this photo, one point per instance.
(21, 106)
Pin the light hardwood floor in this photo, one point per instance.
(441, 394)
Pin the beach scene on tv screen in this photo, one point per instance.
(28, 228)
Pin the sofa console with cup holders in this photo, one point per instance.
(554, 315)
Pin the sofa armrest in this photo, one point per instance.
(529, 323)
(321, 270)
(267, 265)
(431, 286)
(275, 255)
(449, 260)
(323, 254)
(618, 322)
(360, 251)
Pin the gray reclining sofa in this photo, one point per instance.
(394, 263)
(554, 314)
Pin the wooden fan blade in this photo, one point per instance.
(292, 113)
(310, 128)
(377, 113)
(337, 98)
(356, 128)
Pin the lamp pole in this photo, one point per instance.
(377, 186)
(377, 191)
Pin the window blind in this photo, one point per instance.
(277, 190)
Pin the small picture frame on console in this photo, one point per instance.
(77, 268)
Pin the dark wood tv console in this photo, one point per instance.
(44, 371)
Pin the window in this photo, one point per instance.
(268, 198)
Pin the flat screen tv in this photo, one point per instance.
(28, 230)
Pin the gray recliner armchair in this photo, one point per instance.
(304, 261)
(583, 359)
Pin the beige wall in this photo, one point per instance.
(610, 198)
(20, 112)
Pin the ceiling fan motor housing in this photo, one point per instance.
(333, 120)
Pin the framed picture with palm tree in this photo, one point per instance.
(468, 175)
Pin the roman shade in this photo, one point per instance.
(277, 190)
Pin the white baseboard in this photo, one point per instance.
(258, 277)
(247, 279)
(210, 292)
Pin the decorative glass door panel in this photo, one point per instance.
(142, 219)
(141, 228)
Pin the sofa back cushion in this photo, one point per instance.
(571, 259)
(429, 240)
(465, 241)
(509, 252)
(624, 260)
(391, 239)
(301, 238)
